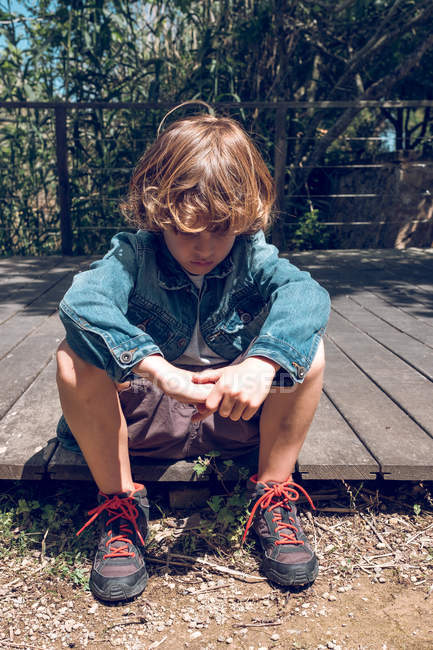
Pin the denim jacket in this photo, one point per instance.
(138, 301)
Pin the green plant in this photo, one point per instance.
(223, 524)
(37, 521)
(311, 233)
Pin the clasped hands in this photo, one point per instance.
(234, 391)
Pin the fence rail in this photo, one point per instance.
(65, 141)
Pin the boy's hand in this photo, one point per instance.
(175, 382)
(238, 391)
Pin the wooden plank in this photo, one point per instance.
(402, 449)
(24, 294)
(413, 352)
(24, 322)
(19, 368)
(68, 465)
(16, 272)
(401, 320)
(332, 450)
(408, 388)
(402, 277)
(27, 431)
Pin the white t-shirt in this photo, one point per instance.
(198, 353)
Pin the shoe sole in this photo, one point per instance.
(297, 578)
(119, 591)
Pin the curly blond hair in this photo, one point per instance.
(202, 173)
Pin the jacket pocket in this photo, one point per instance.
(152, 320)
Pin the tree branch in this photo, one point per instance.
(377, 89)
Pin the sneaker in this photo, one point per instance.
(288, 557)
(119, 571)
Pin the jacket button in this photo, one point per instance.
(181, 343)
(126, 357)
(246, 317)
(300, 372)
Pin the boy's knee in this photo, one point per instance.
(318, 365)
(71, 367)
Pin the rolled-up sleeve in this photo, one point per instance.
(93, 312)
(298, 311)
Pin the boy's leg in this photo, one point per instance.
(90, 404)
(91, 407)
(285, 419)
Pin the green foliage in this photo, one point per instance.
(224, 524)
(34, 521)
(217, 50)
(310, 233)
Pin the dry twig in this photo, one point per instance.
(408, 541)
(258, 624)
(375, 531)
(188, 561)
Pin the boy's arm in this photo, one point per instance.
(298, 311)
(94, 309)
(175, 382)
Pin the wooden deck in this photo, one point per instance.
(376, 413)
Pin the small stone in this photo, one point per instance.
(381, 579)
(69, 624)
(229, 640)
(195, 635)
(93, 609)
(331, 597)
(380, 545)
(325, 595)
(275, 637)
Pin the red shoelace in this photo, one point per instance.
(118, 508)
(278, 496)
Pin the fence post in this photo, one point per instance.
(280, 159)
(63, 191)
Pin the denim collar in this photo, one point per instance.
(171, 275)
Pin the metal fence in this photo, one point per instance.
(65, 166)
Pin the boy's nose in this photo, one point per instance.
(204, 244)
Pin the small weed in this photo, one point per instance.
(353, 495)
(310, 233)
(224, 524)
(31, 522)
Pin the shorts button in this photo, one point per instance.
(126, 357)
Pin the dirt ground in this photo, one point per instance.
(374, 591)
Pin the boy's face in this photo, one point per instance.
(201, 252)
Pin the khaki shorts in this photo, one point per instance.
(160, 427)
